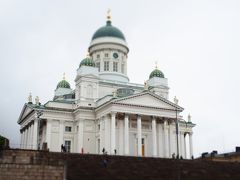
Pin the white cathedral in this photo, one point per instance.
(106, 111)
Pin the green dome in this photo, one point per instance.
(156, 73)
(63, 84)
(88, 61)
(107, 31)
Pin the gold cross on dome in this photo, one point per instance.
(64, 76)
(109, 16)
(156, 64)
(88, 55)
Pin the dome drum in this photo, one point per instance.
(108, 43)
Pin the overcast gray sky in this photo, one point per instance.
(196, 44)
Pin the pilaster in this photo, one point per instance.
(60, 134)
(80, 135)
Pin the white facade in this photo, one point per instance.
(106, 111)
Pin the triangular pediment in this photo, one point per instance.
(148, 100)
(25, 112)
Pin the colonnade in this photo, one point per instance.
(29, 135)
(163, 136)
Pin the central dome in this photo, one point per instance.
(108, 31)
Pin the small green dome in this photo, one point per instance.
(88, 61)
(63, 84)
(108, 30)
(156, 73)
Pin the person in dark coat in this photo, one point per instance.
(62, 148)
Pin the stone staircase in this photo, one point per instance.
(29, 164)
(124, 168)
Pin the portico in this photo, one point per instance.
(155, 140)
(141, 133)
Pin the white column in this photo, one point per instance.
(190, 145)
(121, 145)
(33, 147)
(165, 138)
(60, 135)
(48, 133)
(35, 134)
(182, 137)
(107, 137)
(30, 137)
(126, 134)
(154, 137)
(180, 144)
(139, 135)
(170, 140)
(21, 139)
(160, 140)
(80, 148)
(174, 139)
(178, 139)
(113, 132)
(27, 138)
(184, 143)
